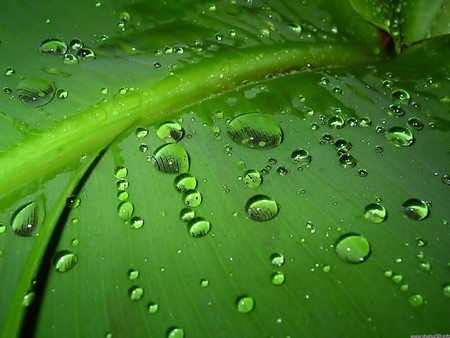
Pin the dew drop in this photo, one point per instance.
(171, 158)
(9, 71)
(184, 182)
(421, 242)
(62, 93)
(416, 300)
(446, 179)
(136, 293)
(416, 123)
(261, 208)
(362, 172)
(76, 44)
(70, 59)
(27, 218)
(446, 290)
(72, 202)
(53, 47)
(277, 259)
(192, 198)
(296, 28)
(86, 53)
(375, 213)
(122, 184)
(120, 172)
(153, 308)
(415, 209)
(187, 214)
(28, 299)
(35, 91)
(2, 228)
(136, 222)
(141, 132)
(352, 248)
(278, 278)
(301, 157)
(133, 274)
(336, 122)
(204, 282)
(245, 304)
(401, 95)
(198, 227)
(175, 332)
(400, 136)
(252, 178)
(170, 132)
(365, 122)
(347, 161)
(64, 261)
(255, 131)
(396, 110)
(125, 210)
(342, 145)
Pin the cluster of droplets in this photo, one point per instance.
(71, 53)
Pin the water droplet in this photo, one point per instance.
(365, 122)
(136, 222)
(400, 136)
(187, 214)
(53, 47)
(261, 208)
(342, 145)
(184, 182)
(301, 157)
(397, 278)
(446, 179)
(75, 242)
(170, 132)
(28, 299)
(192, 198)
(396, 110)
(446, 290)
(352, 248)
(171, 158)
(277, 259)
(35, 91)
(9, 71)
(282, 170)
(296, 28)
(153, 308)
(76, 44)
(86, 53)
(375, 213)
(141, 132)
(133, 274)
(388, 84)
(347, 161)
(327, 138)
(401, 96)
(421, 242)
(198, 227)
(2, 228)
(125, 210)
(204, 282)
(136, 293)
(72, 202)
(252, 178)
(70, 59)
(416, 300)
(27, 218)
(255, 131)
(415, 209)
(120, 172)
(122, 184)
(64, 261)
(278, 278)
(337, 90)
(425, 265)
(336, 122)
(362, 172)
(175, 332)
(416, 123)
(245, 304)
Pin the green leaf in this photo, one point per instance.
(221, 168)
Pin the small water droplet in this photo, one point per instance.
(9, 71)
(261, 208)
(76, 44)
(184, 182)
(396, 110)
(170, 132)
(255, 131)
(416, 123)
(400, 136)
(198, 227)
(141, 132)
(342, 145)
(397, 278)
(301, 157)
(187, 214)
(153, 308)
(192, 198)
(120, 172)
(277, 259)
(70, 59)
(53, 47)
(133, 274)
(27, 218)
(35, 91)
(136, 222)
(252, 178)
(425, 265)
(352, 248)
(278, 278)
(64, 261)
(204, 282)
(171, 158)
(401, 96)
(347, 160)
(375, 213)
(28, 299)
(421, 242)
(245, 304)
(72, 202)
(175, 332)
(415, 209)
(122, 184)
(365, 122)
(388, 84)
(296, 28)
(136, 293)
(125, 210)
(336, 122)
(337, 90)
(416, 300)
(362, 172)
(2, 228)
(86, 53)
(446, 179)
(446, 290)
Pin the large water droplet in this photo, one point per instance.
(400, 136)
(352, 248)
(375, 213)
(53, 47)
(171, 158)
(245, 304)
(35, 91)
(125, 210)
(252, 178)
(120, 172)
(415, 209)
(301, 157)
(187, 214)
(184, 182)
(72, 202)
(198, 227)
(64, 261)
(255, 131)
(192, 198)
(336, 122)
(401, 95)
(416, 300)
(261, 208)
(27, 218)
(170, 132)
(416, 123)
(278, 278)
(347, 160)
